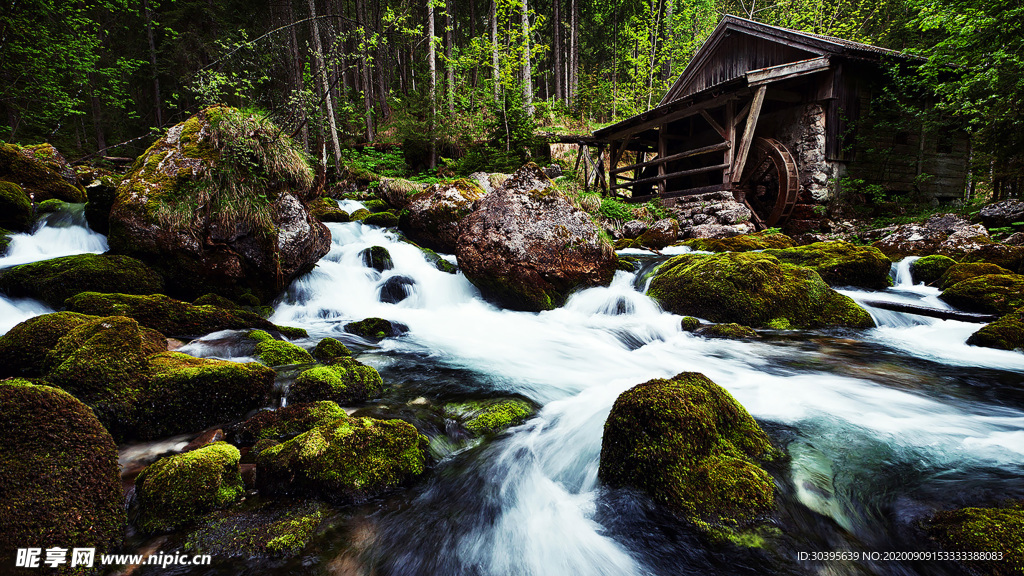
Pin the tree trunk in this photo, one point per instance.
(527, 65)
(325, 87)
(97, 114)
(557, 33)
(152, 61)
(433, 83)
(298, 82)
(495, 71)
(449, 36)
(364, 65)
(574, 49)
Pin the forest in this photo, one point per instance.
(105, 77)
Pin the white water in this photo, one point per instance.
(577, 359)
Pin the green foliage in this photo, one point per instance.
(615, 209)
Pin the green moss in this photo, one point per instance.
(384, 219)
(984, 530)
(166, 315)
(286, 422)
(329, 348)
(930, 268)
(54, 281)
(375, 205)
(625, 243)
(1006, 333)
(44, 178)
(779, 324)
(743, 243)
(346, 381)
(211, 299)
(177, 490)
(993, 294)
(348, 460)
(278, 352)
(15, 207)
(752, 289)
(690, 446)
(327, 210)
(260, 445)
(626, 264)
(689, 323)
(377, 257)
(731, 331)
(268, 529)
(840, 263)
(960, 272)
(491, 417)
(438, 262)
(24, 348)
(359, 215)
(49, 206)
(292, 332)
(372, 328)
(61, 479)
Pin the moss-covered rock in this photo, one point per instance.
(930, 268)
(440, 263)
(23, 349)
(840, 263)
(375, 205)
(754, 290)
(1003, 255)
(275, 529)
(487, 417)
(433, 215)
(168, 316)
(211, 299)
(41, 171)
(690, 446)
(962, 271)
(1006, 333)
(375, 329)
(15, 207)
(377, 257)
(327, 210)
(50, 206)
(177, 490)
(993, 530)
(348, 460)
(689, 323)
(729, 331)
(742, 243)
(329, 348)
(345, 381)
(277, 352)
(660, 234)
(992, 294)
(54, 281)
(61, 480)
(359, 215)
(383, 219)
(285, 422)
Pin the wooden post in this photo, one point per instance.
(662, 152)
(730, 138)
(612, 176)
(748, 134)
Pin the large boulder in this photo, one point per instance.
(54, 281)
(24, 348)
(177, 490)
(1006, 333)
(690, 446)
(1001, 214)
(946, 234)
(929, 269)
(752, 289)
(990, 294)
(991, 539)
(15, 207)
(215, 205)
(527, 247)
(59, 472)
(962, 271)
(349, 460)
(41, 171)
(660, 234)
(434, 214)
(840, 263)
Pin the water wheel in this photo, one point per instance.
(770, 181)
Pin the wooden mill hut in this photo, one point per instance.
(779, 118)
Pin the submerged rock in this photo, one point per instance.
(690, 446)
(345, 381)
(930, 268)
(278, 352)
(215, 205)
(41, 171)
(395, 289)
(991, 294)
(840, 263)
(997, 531)
(61, 479)
(285, 422)
(349, 460)
(744, 243)
(754, 290)
(54, 281)
(527, 247)
(177, 490)
(434, 214)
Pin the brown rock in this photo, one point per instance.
(434, 214)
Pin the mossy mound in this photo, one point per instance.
(375, 329)
(491, 416)
(327, 210)
(840, 263)
(61, 479)
(286, 422)
(959, 272)
(998, 530)
(383, 219)
(23, 349)
(743, 243)
(168, 316)
(690, 446)
(54, 281)
(754, 290)
(278, 352)
(1006, 333)
(930, 268)
(346, 381)
(689, 323)
(359, 215)
(329, 348)
(346, 461)
(275, 529)
(177, 490)
(15, 207)
(40, 171)
(992, 294)
(377, 257)
(375, 205)
(729, 331)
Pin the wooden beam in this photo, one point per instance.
(680, 193)
(663, 117)
(741, 115)
(786, 71)
(671, 158)
(721, 131)
(701, 170)
(730, 137)
(748, 134)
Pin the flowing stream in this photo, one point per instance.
(883, 426)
